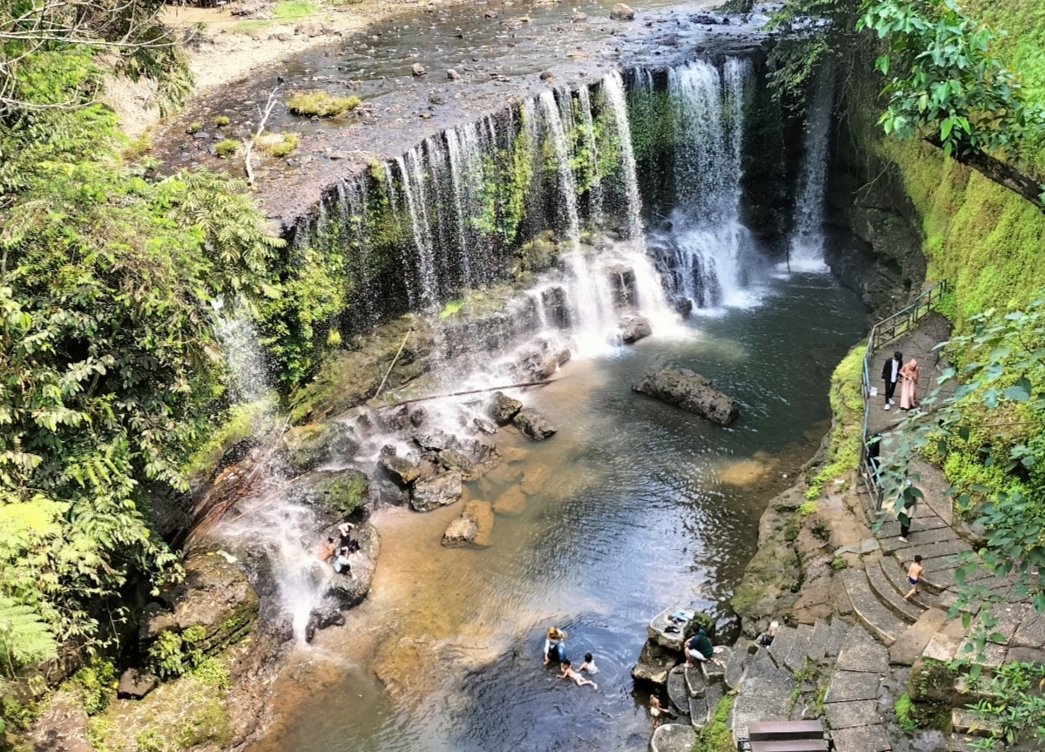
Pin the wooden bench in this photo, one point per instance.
(787, 736)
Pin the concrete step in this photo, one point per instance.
(889, 596)
(796, 656)
(785, 638)
(869, 610)
(835, 641)
(818, 641)
(936, 580)
(897, 577)
(910, 644)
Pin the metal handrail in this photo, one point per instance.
(889, 328)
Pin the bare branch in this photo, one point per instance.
(248, 144)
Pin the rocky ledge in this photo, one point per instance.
(690, 391)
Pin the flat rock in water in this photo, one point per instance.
(511, 502)
(658, 628)
(534, 478)
(673, 737)
(431, 493)
(654, 663)
(533, 425)
(473, 527)
(690, 391)
(677, 692)
(503, 409)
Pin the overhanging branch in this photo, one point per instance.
(998, 172)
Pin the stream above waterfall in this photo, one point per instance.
(646, 506)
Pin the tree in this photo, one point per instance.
(945, 85)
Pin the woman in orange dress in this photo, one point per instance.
(909, 374)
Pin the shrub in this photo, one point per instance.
(288, 144)
(194, 127)
(226, 148)
(95, 683)
(838, 564)
(320, 103)
(221, 121)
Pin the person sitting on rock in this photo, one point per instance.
(553, 645)
(589, 664)
(699, 648)
(766, 639)
(327, 550)
(344, 529)
(341, 565)
(569, 673)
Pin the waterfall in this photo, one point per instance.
(806, 251)
(588, 132)
(414, 192)
(708, 239)
(613, 89)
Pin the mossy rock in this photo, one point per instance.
(306, 447)
(932, 681)
(337, 493)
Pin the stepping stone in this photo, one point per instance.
(861, 739)
(942, 647)
(1025, 655)
(966, 722)
(887, 593)
(677, 691)
(842, 715)
(839, 630)
(1009, 617)
(796, 656)
(869, 610)
(698, 711)
(909, 645)
(673, 737)
(785, 638)
(695, 683)
(1031, 632)
(818, 640)
(862, 652)
(714, 673)
(738, 663)
(852, 685)
(714, 694)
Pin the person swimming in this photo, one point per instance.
(589, 664)
(569, 673)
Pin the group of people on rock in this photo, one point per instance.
(555, 650)
(906, 374)
(338, 551)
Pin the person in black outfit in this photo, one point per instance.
(890, 375)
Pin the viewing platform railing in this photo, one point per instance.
(890, 328)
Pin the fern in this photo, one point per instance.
(24, 637)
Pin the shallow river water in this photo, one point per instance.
(644, 506)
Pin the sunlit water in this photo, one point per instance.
(645, 506)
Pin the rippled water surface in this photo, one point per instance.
(645, 506)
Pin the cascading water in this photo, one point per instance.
(708, 239)
(613, 90)
(806, 251)
(417, 205)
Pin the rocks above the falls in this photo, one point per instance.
(690, 391)
(473, 527)
(306, 447)
(533, 425)
(634, 328)
(503, 409)
(337, 493)
(437, 491)
(622, 12)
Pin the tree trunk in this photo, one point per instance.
(999, 172)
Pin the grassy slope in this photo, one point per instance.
(986, 241)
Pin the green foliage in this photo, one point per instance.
(838, 564)
(166, 658)
(226, 148)
(95, 683)
(320, 103)
(812, 32)
(212, 673)
(194, 127)
(1015, 701)
(24, 637)
(290, 10)
(903, 706)
(221, 121)
(451, 307)
(289, 142)
(945, 82)
(716, 735)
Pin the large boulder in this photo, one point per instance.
(670, 627)
(654, 663)
(473, 527)
(350, 590)
(215, 599)
(503, 408)
(438, 491)
(308, 446)
(634, 328)
(453, 459)
(673, 737)
(622, 12)
(533, 425)
(402, 470)
(336, 492)
(690, 391)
